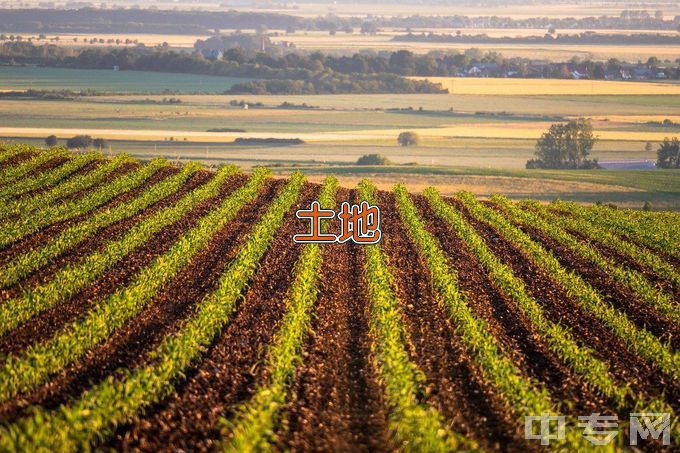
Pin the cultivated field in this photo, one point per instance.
(542, 87)
(149, 306)
(110, 81)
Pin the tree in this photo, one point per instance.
(565, 145)
(408, 139)
(99, 143)
(668, 154)
(369, 28)
(79, 141)
(51, 141)
(373, 159)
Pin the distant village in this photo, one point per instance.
(612, 70)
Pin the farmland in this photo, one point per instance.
(146, 305)
(468, 141)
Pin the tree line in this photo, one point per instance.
(135, 20)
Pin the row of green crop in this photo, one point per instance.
(554, 227)
(25, 263)
(91, 418)
(67, 281)
(11, 173)
(256, 420)
(47, 178)
(27, 205)
(639, 341)
(650, 233)
(14, 230)
(523, 395)
(604, 236)
(593, 371)
(417, 426)
(38, 362)
(8, 152)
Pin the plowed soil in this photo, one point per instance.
(335, 400)
(231, 369)
(335, 403)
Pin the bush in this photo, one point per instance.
(408, 139)
(373, 159)
(51, 141)
(79, 141)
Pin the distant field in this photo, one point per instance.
(497, 131)
(23, 78)
(554, 52)
(543, 87)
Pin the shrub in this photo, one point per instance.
(373, 159)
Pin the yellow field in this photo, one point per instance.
(490, 130)
(543, 87)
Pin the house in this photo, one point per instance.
(212, 54)
(641, 73)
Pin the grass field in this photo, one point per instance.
(168, 308)
(25, 77)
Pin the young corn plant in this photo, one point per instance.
(416, 425)
(26, 205)
(48, 178)
(25, 263)
(37, 363)
(8, 152)
(14, 230)
(92, 417)
(581, 359)
(658, 236)
(256, 421)
(554, 226)
(523, 395)
(10, 174)
(638, 340)
(74, 277)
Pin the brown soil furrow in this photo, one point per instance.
(122, 170)
(626, 261)
(508, 324)
(12, 161)
(127, 346)
(90, 166)
(40, 237)
(455, 385)
(97, 242)
(626, 366)
(638, 311)
(336, 402)
(232, 367)
(613, 253)
(49, 165)
(49, 322)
